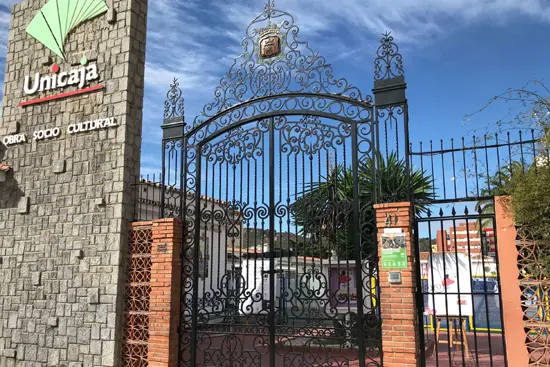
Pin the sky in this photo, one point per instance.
(457, 53)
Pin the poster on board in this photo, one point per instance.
(449, 285)
(343, 284)
(394, 251)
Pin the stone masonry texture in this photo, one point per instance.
(61, 269)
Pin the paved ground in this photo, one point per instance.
(481, 352)
(253, 351)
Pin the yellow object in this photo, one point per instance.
(457, 328)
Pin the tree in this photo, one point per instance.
(531, 200)
(528, 113)
(500, 184)
(529, 110)
(530, 206)
(324, 209)
(526, 182)
(425, 244)
(309, 248)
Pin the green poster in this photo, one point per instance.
(394, 251)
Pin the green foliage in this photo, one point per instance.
(530, 205)
(530, 194)
(311, 248)
(425, 244)
(324, 209)
(528, 185)
(500, 184)
(531, 200)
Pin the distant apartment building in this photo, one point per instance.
(466, 238)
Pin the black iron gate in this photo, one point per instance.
(279, 278)
(276, 181)
(460, 298)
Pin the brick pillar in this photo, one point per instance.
(400, 326)
(514, 333)
(165, 293)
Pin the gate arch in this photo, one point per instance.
(279, 259)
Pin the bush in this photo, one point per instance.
(531, 200)
(530, 205)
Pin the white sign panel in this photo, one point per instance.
(450, 285)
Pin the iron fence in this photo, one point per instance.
(460, 299)
(477, 168)
(149, 198)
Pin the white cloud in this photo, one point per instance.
(196, 40)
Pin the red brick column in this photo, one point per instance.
(400, 327)
(514, 333)
(165, 293)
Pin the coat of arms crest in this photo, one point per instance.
(270, 41)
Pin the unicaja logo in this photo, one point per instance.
(52, 25)
(57, 79)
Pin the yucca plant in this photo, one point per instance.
(324, 210)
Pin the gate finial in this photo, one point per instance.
(270, 5)
(269, 9)
(174, 106)
(389, 77)
(389, 62)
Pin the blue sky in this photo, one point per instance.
(457, 53)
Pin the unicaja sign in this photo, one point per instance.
(78, 77)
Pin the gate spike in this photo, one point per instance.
(440, 212)
(453, 212)
(466, 211)
(479, 209)
(429, 213)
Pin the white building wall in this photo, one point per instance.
(215, 285)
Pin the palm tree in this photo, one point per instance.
(497, 185)
(324, 209)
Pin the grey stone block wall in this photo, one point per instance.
(66, 203)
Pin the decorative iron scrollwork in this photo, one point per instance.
(138, 292)
(239, 144)
(296, 69)
(389, 62)
(310, 136)
(174, 106)
(278, 115)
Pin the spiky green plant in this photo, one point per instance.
(324, 209)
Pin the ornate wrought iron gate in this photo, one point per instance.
(459, 289)
(277, 275)
(275, 181)
(459, 296)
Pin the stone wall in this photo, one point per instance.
(66, 202)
